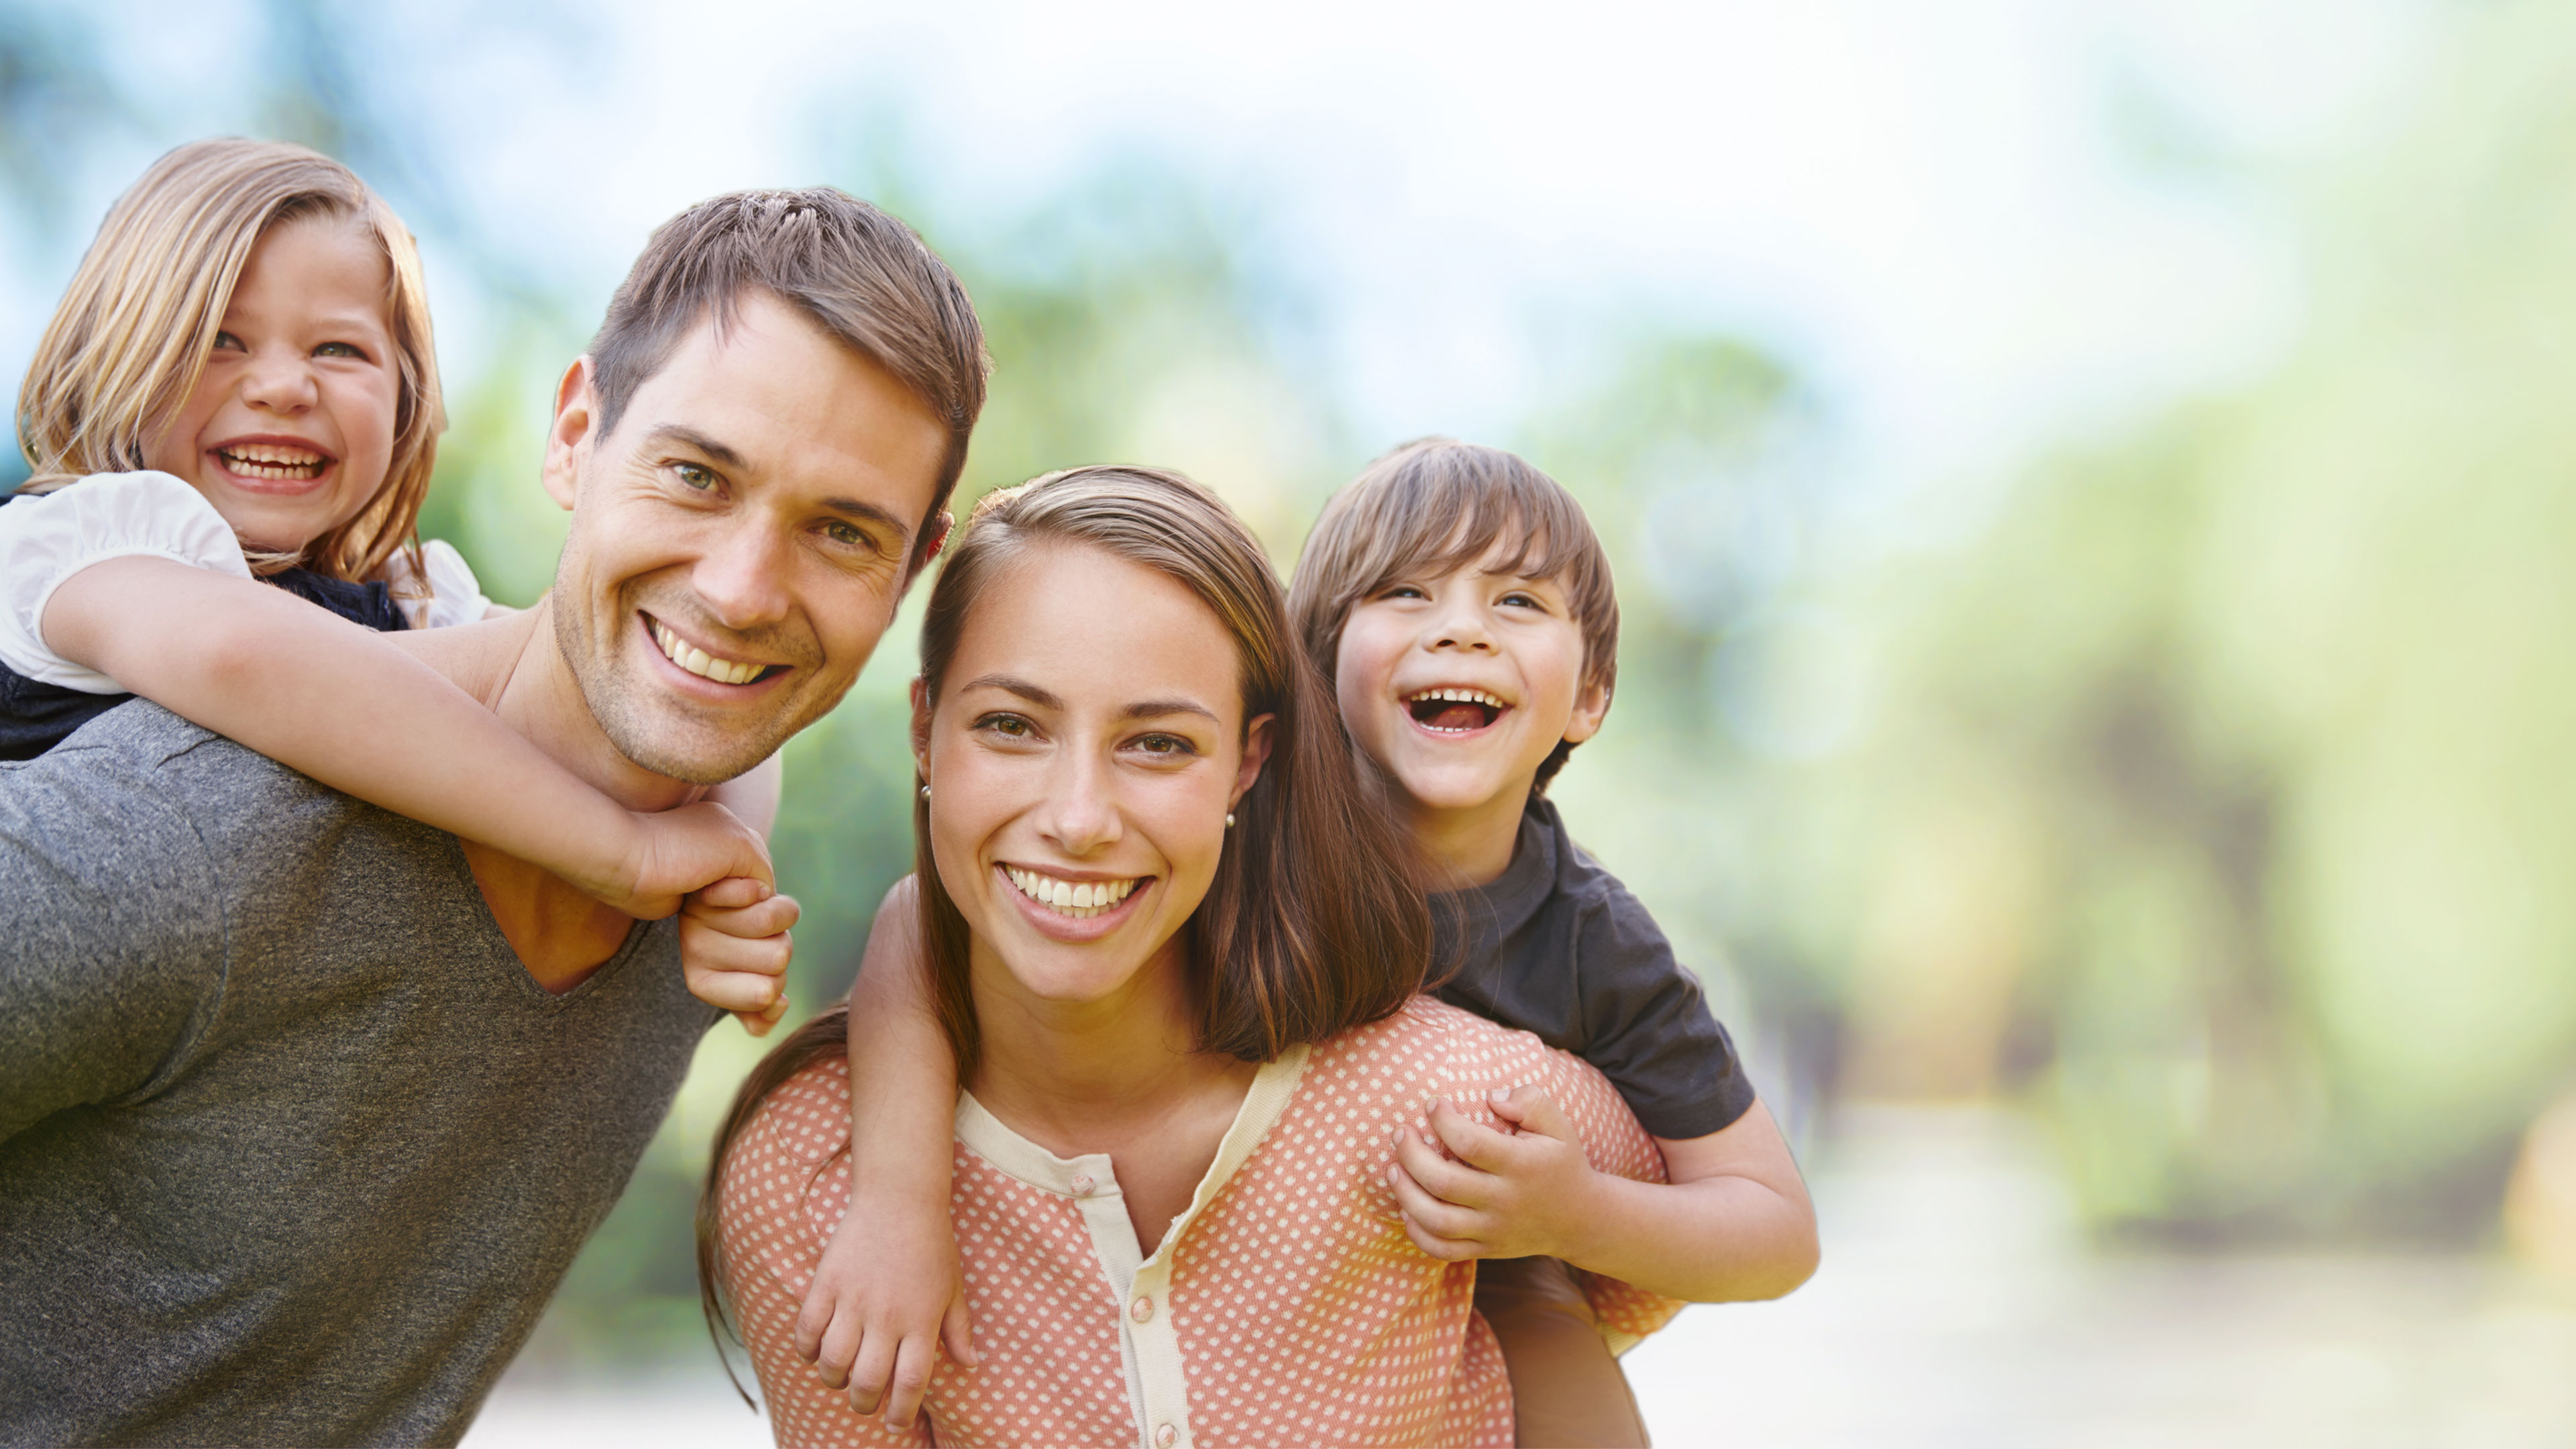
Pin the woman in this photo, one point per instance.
(1174, 952)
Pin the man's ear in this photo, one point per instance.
(568, 441)
(1256, 753)
(940, 529)
(1591, 706)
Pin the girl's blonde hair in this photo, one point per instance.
(132, 335)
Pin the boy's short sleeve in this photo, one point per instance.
(48, 538)
(1557, 947)
(1650, 1030)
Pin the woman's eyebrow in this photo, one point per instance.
(1155, 708)
(1012, 684)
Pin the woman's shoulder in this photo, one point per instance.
(805, 1119)
(1429, 1040)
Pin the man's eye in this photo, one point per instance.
(847, 535)
(696, 476)
(339, 349)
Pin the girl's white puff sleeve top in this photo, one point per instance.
(48, 538)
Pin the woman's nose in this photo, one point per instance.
(1082, 809)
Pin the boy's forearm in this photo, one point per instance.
(1719, 1239)
(903, 1081)
(337, 702)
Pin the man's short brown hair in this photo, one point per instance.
(863, 277)
(1435, 505)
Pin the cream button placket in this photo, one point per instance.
(1082, 1184)
(1166, 1436)
(1142, 1310)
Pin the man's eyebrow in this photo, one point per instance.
(859, 509)
(697, 442)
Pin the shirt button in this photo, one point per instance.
(1082, 1184)
(1142, 1310)
(1166, 1436)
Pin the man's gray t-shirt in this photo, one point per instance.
(293, 1150)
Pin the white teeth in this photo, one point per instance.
(272, 460)
(1457, 695)
(1080, 900)
(699, 662)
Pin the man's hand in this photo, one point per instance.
(673, 852)
(886, 1296)
(1500, 1194)
(734, 950)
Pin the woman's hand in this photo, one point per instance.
(734, 950)
(888, 1293)
(1501, 1194)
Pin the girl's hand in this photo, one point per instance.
(887, 1295)
(1505, 1194)
(734, 950)
(674, 852)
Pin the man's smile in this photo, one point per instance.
(699, 662)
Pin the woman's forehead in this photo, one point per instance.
(1097, 630)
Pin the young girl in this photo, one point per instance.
(239, 391)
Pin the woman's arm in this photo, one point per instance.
(341, 704)
(888, 1291)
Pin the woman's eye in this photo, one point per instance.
(1165, 745)
(1010, 726)
(339, 349)
(695, 475)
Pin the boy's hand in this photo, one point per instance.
(734, 950)
(1506, 1194)
(885, 1298)
(676, 851)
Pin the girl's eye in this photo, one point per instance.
(225, 341)
(695, 475)
(339, 349)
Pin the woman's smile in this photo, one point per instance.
(1075, 909)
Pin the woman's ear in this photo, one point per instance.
(1256, 753)
(567, 441)
(920, 727)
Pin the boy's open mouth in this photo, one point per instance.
(1453, 709)
(273, 462)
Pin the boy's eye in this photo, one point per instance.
(1522, 600)
(696, 475)
(339, 349)
(1404, 591)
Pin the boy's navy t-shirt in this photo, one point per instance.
(1557, 947)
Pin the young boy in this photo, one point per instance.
(1464, 608)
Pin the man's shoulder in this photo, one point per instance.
(139, 769)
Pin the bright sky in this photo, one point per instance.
(1954, 217)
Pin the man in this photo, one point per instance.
(304, 1107)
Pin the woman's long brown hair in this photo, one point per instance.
(1313, 924)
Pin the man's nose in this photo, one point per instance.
(281, 383)
(742, 579)
(1082, 804)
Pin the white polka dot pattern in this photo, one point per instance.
(1304, 1315)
